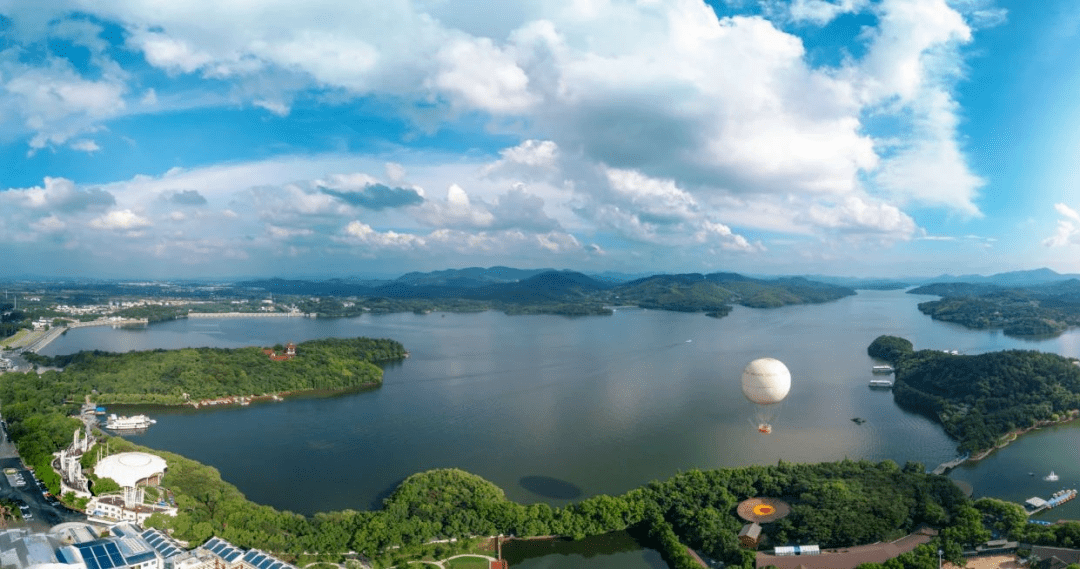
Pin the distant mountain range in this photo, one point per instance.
(713, 293)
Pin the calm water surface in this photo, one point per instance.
(555, 409)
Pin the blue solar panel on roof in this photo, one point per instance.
(114, 555)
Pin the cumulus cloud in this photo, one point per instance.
(58, 194)
(120, 220)
(363, 233)
(676, 92)
(364, 191)
(1068, 229)
(654, 122)
(860, 215)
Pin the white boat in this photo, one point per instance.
(1051, 477)
(882, 369)
(881, 382)
(128, 423)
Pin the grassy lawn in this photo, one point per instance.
(467, 563)
(18, 335)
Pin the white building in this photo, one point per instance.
(133, 471)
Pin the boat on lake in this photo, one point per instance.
(1051, 477)
(132, 423)
(876, 382)
(882, 369)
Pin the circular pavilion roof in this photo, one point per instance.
(130, 468)
(763, 510)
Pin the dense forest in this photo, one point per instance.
(1037, 310)
(172, 377)
(981, 398)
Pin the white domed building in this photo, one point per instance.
(133, 471)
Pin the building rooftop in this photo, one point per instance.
(130, 468)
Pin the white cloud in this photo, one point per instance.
(120, 220)
(85, 145)
(862, 216)
(1067, 211)
(1068, 229)
(277, 107)
(362, 233)
(910, 67)
(821, 12)
(171, 54)
(728, 105)
(477, 73)
(457, 211)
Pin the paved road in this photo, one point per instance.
(45, 513)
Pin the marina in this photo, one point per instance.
(1034, 505)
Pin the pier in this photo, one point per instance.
(1036, 504)
(947, 466)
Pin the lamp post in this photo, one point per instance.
(939, 554)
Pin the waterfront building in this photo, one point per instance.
(133, 471)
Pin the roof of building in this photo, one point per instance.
(253, 557)
(21, 548)
(73, 532)
(130, 468)
(752, 530)
(165, 545)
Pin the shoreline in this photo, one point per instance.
(249, 315)
(1009, 438)
(37, 343)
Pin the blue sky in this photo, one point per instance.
(215, 139)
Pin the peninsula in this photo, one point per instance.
(175, 377)
(985, 400)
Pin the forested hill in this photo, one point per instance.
(164, 376)
(717, 291)
(569, 292)
(1036, 310)
(981, 398)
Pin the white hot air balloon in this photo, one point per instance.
(766, 382)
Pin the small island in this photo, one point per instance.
(983, 401)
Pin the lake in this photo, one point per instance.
(556, 409)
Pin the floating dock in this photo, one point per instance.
(1036, 504)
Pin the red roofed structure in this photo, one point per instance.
(290, 353)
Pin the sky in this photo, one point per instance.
(211, 139)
